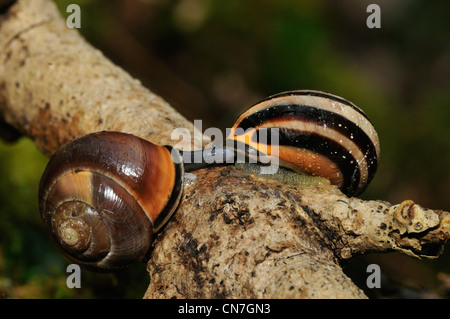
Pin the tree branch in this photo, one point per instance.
(54, 86)
(240, 236)
(234, 235)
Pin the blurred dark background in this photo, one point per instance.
(211, 59)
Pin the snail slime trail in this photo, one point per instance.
(104, 195)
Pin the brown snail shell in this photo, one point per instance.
(102, 197)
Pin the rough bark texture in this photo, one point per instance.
(54, 86)
(234, 235)
(241, 236)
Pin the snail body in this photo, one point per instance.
(104, 195)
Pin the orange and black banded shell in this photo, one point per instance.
(102, 196)
(319, 133)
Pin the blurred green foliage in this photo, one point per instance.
(211, 59)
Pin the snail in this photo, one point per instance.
(104, 195)
(318, 133)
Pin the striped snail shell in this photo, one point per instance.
(103, 195)
(319, 133)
